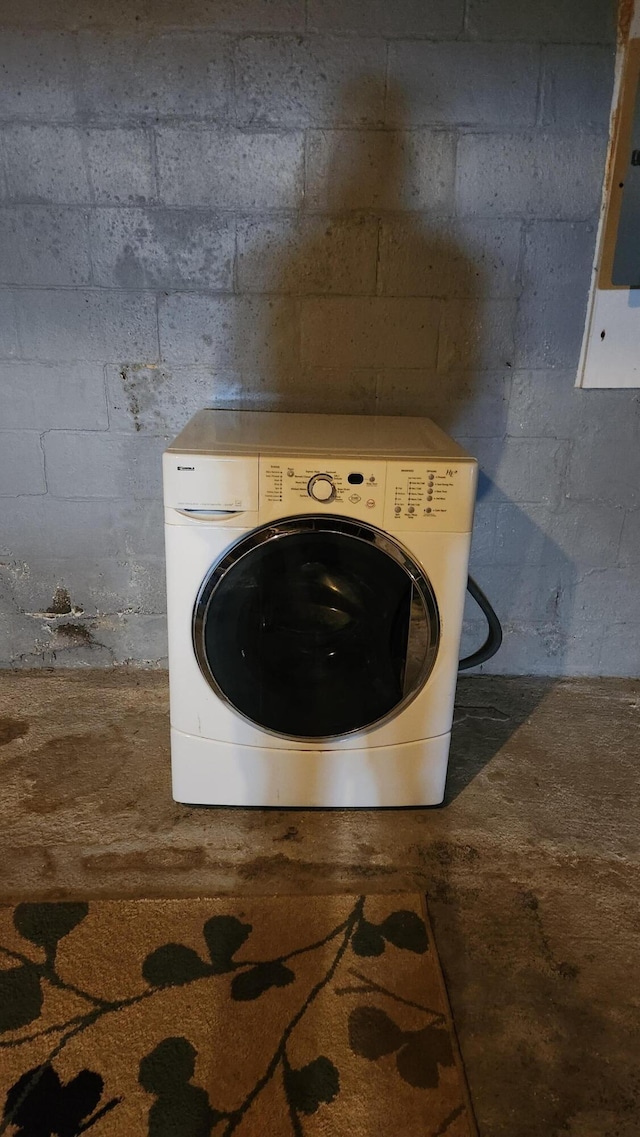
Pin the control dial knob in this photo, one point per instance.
(321, 488)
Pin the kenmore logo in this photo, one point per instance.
(186, 467)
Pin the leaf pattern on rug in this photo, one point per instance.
(20, 996)
(312, 1085)
(43, 925)
(48, 1100)
(174, 964)
(253, 983)
(403, 929)
(46, 924)
(180, 1107)
(373, 1034)
(41, 1106)
(224, 936)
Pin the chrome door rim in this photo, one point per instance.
(319, 523)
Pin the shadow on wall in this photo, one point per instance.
(378, 305)
(374, 308)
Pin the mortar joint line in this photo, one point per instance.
(44, 460)
(153, 151)
(14, 319)
(378, 283)
(105, 394)
(625, 513)
(235, 282)
(86, 218)
(305, 169)
(455, 138)
(540, 90)
(522, 250)
(77, 83)
(233, 84)
(385, 96)
(157, 312)
(3, 169)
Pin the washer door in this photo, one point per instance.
(316, 627)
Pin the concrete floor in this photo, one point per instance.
(531, 867)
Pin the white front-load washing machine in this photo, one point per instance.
(316, 577)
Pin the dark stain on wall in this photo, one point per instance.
(132, 397)
(61, 603)
(75, 633)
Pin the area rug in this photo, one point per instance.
(319, 1016)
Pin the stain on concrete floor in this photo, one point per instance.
(531, 867)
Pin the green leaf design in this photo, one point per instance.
(372, 1033)
(181, 1109)
(314, 1084)
(20, 996)
(367, 940)
(173, 965)
(171, 1063)
(406, 930)
(40, 1104)
(46, 924)
(419, 1059)
(253, 983)
(224, 935)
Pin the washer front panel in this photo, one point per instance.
(316, 627)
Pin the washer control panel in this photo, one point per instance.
(431, 496)
(352, 488)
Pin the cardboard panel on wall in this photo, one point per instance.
(610, 351)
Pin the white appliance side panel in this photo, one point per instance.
(191, 548)
(196, 709)
(217, 773)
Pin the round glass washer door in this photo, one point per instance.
(316, 627)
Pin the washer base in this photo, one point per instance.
(207, 772)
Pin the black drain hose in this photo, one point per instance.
(494, 638)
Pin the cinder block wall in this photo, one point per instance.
(348, 205)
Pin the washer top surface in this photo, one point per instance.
(214, 431)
